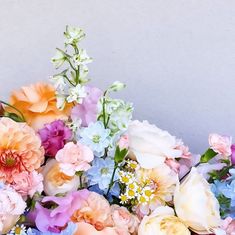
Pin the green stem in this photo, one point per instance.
(69, 80)
(112, 182)
(21, 114)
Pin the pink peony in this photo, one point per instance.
(28, 183)
(123, 143)
(74, 157)
(12, 206)
(221, 144)
(87, 111)
(173, 164)
(53, 136)
(54, 219)
(123, 219)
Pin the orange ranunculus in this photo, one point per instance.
(38, 104)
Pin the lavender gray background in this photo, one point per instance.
(176, 56)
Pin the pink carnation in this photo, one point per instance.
(28, 183)
(74, 157)
(221, 144)
(54, 136)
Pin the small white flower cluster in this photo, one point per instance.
(69, 84)
(135, 192)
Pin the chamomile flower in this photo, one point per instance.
(132, 164)
(126, 177)
(18, 230)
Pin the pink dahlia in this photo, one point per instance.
(20, 149)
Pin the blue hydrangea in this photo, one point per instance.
(68, 231)
(227, 190)
(114, 192)
(96, 137)
(101, 173)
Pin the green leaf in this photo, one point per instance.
(208, 155)
(120, 155)
(14, 117)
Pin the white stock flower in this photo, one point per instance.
(76, 94)
(116, 86)
(81, 58)
(73, 35)
(58, 59)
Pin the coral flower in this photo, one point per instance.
(38, 104)
(20, 149)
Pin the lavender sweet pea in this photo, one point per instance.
(54, 136)
(87, 111)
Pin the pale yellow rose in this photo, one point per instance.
(196, 205)
(151, 146)
(162, 222)
(56, 182)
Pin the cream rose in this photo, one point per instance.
(196, 205)
(149, 145)
(56, 182)
(162, 222)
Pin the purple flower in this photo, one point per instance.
(233, 154)
(53, 137)
(87, 111)
(54, 219)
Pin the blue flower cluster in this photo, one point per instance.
(225, 192)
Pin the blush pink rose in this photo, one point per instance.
(173, 164)
(12, 206)
(123, 219)
(221, 144)
(28, 183)
(74, 157)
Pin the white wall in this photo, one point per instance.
(176, 56)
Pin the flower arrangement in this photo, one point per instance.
(72, 162)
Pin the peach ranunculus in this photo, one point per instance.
(162, 222)
(12, 206)
(56, 182)
(123, 219)
(95, 211)
(74, 157)
(20, 149)
(221, 144)
(37, 102)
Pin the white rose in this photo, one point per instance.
(162, 222)
(56, 182)
(151, 145)
(196, 205)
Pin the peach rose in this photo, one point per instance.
(95, 211)
(123, 219)
(74, 157)
(56, 182)
(88, 229)
(38, 104)
(221, 144)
